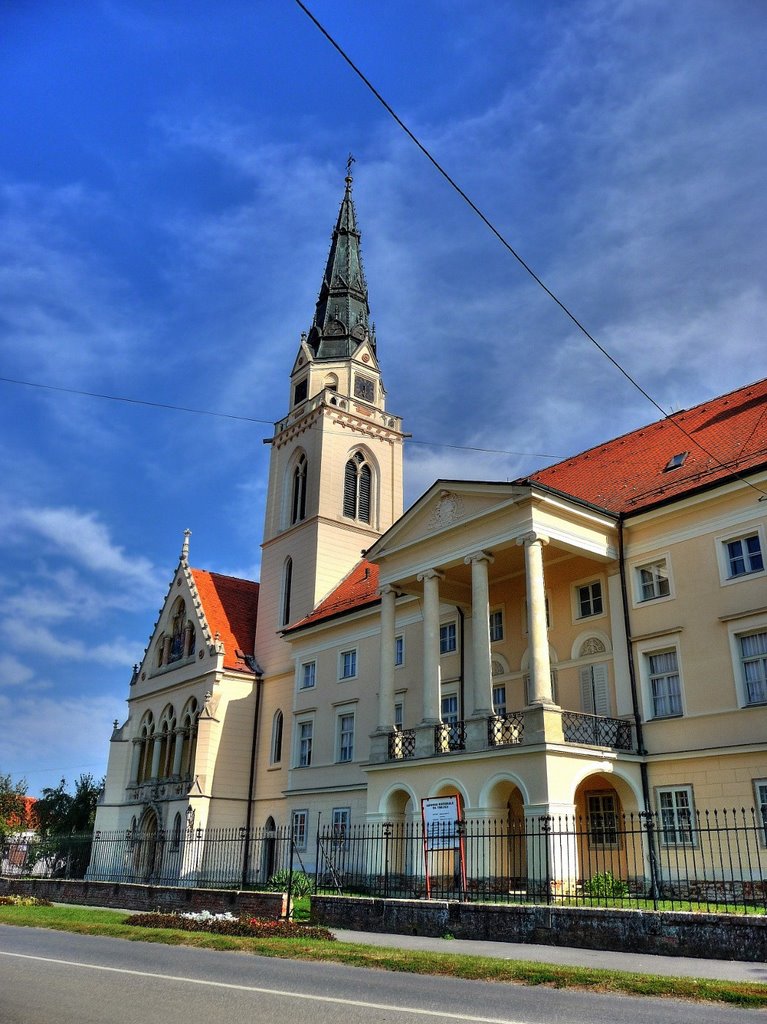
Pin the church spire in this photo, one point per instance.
(342, 317)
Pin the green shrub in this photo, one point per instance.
(301, 884)
(606, 885)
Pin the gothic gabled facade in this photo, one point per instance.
(589, 640)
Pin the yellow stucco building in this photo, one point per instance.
(588, 642)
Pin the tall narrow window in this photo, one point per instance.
(664, 684)
(357, 488)
(298, 496)
(287, 586)
(277, 738)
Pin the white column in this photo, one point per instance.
(156, 750)
(482, 702)
(178, 749)
(431, 704)
(537, 630)
(386, 684)
(135, 763)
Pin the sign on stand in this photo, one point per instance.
(443, 835)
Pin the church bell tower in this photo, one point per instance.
(335, 475)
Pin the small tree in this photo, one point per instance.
(13, 809)
(60, 812)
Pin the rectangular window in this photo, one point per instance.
(341, 819)
(676, 816)
(346, 737)
(753, 661)
(399, 651)
(308, 675)
(499, 700)
(399, 715)
(496, 626)
(305, 732)
(744, 556)
(589, 599)
(348, 664)
(300, 828)
(760, 795)
(447, 640)
(450, 709)
(652, 580)
(665, 690)
(602, 819)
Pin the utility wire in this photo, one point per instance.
(507, 245)
(254, 419)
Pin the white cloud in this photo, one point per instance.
(81, 537)
(13, 672)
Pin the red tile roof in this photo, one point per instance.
(628, 474)
(230, 606)
(358, 589)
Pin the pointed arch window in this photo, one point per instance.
(357, 488)
(189, 720)
(287, 587)
(298, 492)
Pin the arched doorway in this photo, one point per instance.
(505, 847)
(611, 857)
(147, 854)
(268, 850)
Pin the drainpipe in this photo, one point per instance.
(641, 749)
(253, 664)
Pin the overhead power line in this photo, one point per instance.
(254, 419)
(507, 245)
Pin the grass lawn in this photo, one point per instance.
(87, 921)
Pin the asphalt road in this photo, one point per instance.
(51, 977)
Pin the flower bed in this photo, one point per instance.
(227, 924)
(24, 901)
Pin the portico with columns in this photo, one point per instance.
(462, 551)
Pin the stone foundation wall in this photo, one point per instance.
(669, 933)
(127, 896)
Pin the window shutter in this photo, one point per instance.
(595, 690)
(364, 497)
(350, 489)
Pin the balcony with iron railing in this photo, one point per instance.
(516, 729)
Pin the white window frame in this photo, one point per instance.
(399, 705)
(341, 820)
(350, 652)
(663, 559)
(399, 650)
(603, 823)
(644, 650)
(737, 629)
(501, 622)
(341, 714)
(448, 650)
(726, 578)
(299, 820)
(672, 815)
(579, 585)
(303, 674)
(760, 805)
(503, 706)
(304, 753)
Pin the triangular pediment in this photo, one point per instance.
(365, 356)
(181, 613)
(447, 505)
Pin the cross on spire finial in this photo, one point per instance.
(349, 161)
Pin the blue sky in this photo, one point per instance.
(169, 177)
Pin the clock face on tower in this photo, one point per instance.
(364, 388)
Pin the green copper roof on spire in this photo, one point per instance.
(342, 317)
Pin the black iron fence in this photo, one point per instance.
(211, 858)
(716, 860)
